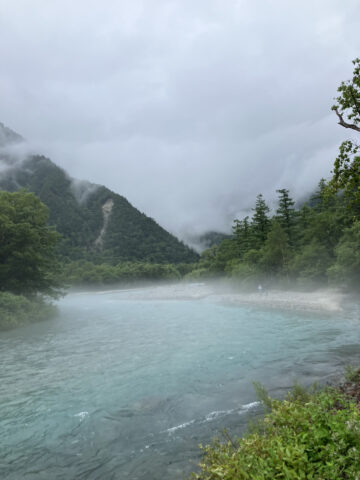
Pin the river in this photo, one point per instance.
(125, 386)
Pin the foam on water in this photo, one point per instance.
(215, 415)
(81, 415)
(179, 427)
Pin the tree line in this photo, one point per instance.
(316, 243)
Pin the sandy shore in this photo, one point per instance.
(317, 301)
(322, 300)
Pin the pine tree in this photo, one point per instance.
(275, 252)
(260, 222)
(286, 213)
(242, 233)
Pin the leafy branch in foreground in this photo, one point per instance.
(348, 102)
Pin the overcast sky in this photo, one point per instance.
(189, 108)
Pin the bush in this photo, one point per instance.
(201, 273)
(306, 436)
(16, 310)
(311, 263)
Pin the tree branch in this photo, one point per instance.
(345, 124)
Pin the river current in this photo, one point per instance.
(122, 386)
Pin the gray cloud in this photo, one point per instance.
(189, 109)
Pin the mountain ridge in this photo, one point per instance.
(96, 223)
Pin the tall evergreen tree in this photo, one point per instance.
(286, 213)
(242, 233)
(319, 199)
(275, 252)
(260, 222)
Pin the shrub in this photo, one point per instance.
(16, 310)
(306, 436)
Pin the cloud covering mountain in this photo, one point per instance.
(189, 109)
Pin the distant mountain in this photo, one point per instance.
(95, 223)
(207, 240)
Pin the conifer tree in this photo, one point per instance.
(242, 233)
(260, 222)
(275, 252)
(286, 213)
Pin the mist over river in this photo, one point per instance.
(126, 384)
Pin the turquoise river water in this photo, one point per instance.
(120, 387)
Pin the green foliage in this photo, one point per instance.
(17, 310)
(307, 436)
(285, 213)
(27, 246)
(311, 263)
(325, 245)
(346, 269)
(200, 273)
(245, 273)
(262, 395)
(346, 174)
(87, 273)
(224, 254)
(348, 102)
(352, 374)
(260, 221)
(299, 394)
(243, 236)
(275, 253)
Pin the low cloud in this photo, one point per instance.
(189, 109)
(81, 189)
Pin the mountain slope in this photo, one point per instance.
(95, 223)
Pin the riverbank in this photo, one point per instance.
(324, 300)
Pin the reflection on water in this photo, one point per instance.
(125, 386)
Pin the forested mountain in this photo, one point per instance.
(95, 223)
